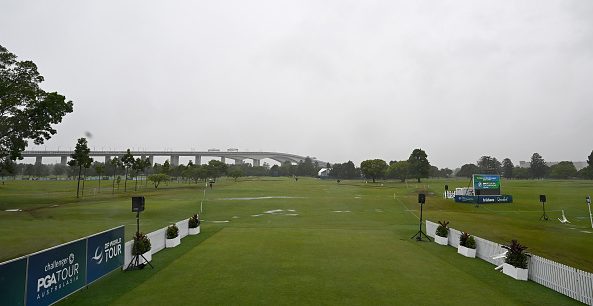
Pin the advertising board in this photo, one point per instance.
(105, 253)
(486, 184)
(56, 273)
(12, 282)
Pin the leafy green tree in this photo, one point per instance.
(139, 166)
(434, 171)
(26, 111)
(489, 165)
(115, 163)
(419, 166)
(306, 168)
(373, 168)
(80, 159)
(59, 169)
(235, 173)
(399, 170)
(287, 169)
(467, 170)
(586, 173)
(158, 178)
(29, 170)
(41, 170)
(521, 173)
(563, 170)
(538, 167)
(166, 168)
(507, 168)
(100, 169)
(10, 169)
(275, 171)
(127, 162)
(446, 172)
(216, 169)
(86, 165)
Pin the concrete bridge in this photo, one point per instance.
(237, 156)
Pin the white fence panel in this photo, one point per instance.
(431, 228)
(157, 239)
(486, 249)
(127, 254)
(569, 281)
(183, 228)
(454, 237)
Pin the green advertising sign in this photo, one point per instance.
(483, 181)
(12, 282)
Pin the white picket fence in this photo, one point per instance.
(569, 281)
(157, 240)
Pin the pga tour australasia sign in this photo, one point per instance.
(55, 273)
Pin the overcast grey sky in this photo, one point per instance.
(337, 80)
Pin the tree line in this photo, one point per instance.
(538, 168)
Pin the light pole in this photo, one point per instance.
(589, 204)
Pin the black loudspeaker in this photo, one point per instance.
(446, 187)
(137, 204)
(421, 198)
(542, 198)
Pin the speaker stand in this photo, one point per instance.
(544, 216)
(135, 262)
(419, 234)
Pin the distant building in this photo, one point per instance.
(579, 164)
(323, 173)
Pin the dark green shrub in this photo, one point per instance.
(516, 255)
(194, 221)
(467, 240)
(141, 244)
(471, 242)
(172, 231)
(443, 229)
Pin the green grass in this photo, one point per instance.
(361, 255)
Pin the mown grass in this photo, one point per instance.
(346, 243)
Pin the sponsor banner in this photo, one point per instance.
(105, 253)
(482, 181)
(55, 273)
(484, 199)
(465, 199)
(12, 282)
(495, 199)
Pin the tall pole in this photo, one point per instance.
(138, 222)
(420, 225)
(589, 204)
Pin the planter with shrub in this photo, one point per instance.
(194, 225)
(173, 238)
(441, 233)
(142, 247)
(515, 262)
(467, 245)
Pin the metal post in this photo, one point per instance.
(589, 204)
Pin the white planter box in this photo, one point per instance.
(441, 240)
(194, 231)
(171, 243)
(516, 273)
(467, 252)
